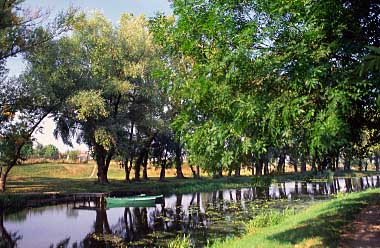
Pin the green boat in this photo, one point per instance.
(133, 201)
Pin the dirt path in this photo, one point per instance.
(364, 231)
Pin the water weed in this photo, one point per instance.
(181, 242)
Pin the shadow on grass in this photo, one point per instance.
(329, 223)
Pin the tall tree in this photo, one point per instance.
(110, 70)
(22, 106)
(257, 75)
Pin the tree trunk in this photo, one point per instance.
(253, 166)
(295, 164)
(230, 172)
(347, 163)
(266, 166)
(377, 161)
(145, 166)
(138, 165)
(337, 162)
(198, 171)
(193, 171)
(281, 163)
(163, 169)
(108, 162)
(3, 177)
(129, 169)
(360, 164)
(220, 172)
(102, 176)
(313, 165)
(237, 171)
(259, 167)
(178, 161)
(103, 159)
(303, 165)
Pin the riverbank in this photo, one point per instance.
(58, 181)
(320, 225)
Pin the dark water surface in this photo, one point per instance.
(201, 215)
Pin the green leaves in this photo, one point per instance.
(89, 105)
(270, 74)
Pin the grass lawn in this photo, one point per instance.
(318, 226)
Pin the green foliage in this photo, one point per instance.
(72, 154)
(50, 152)
(21, 32)
(89, 104)
(371, 62)
(180, 242)
(104, 74)
(27, 151)
(283, 81)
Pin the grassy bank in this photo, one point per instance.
(318, 226)
(76, 178)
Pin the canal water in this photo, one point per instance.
(202, 216)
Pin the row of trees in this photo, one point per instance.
(47, 152)
(231, 83)
(40, 151)
(259, 80)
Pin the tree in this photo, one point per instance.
(27, 151)
(20, 34)
(51, 152)
(73, 154)
(262, 75)
(109, 67)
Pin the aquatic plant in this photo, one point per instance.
(181, 242)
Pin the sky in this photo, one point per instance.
(112, 9)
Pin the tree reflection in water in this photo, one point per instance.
(202, 215)
(8, 239)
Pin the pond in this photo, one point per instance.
(202, 216)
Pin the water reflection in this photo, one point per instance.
(202, 215)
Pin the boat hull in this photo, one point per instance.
(137, 201)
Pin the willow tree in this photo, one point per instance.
(109, 66)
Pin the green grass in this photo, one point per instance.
(267, 218)
(318, 226)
